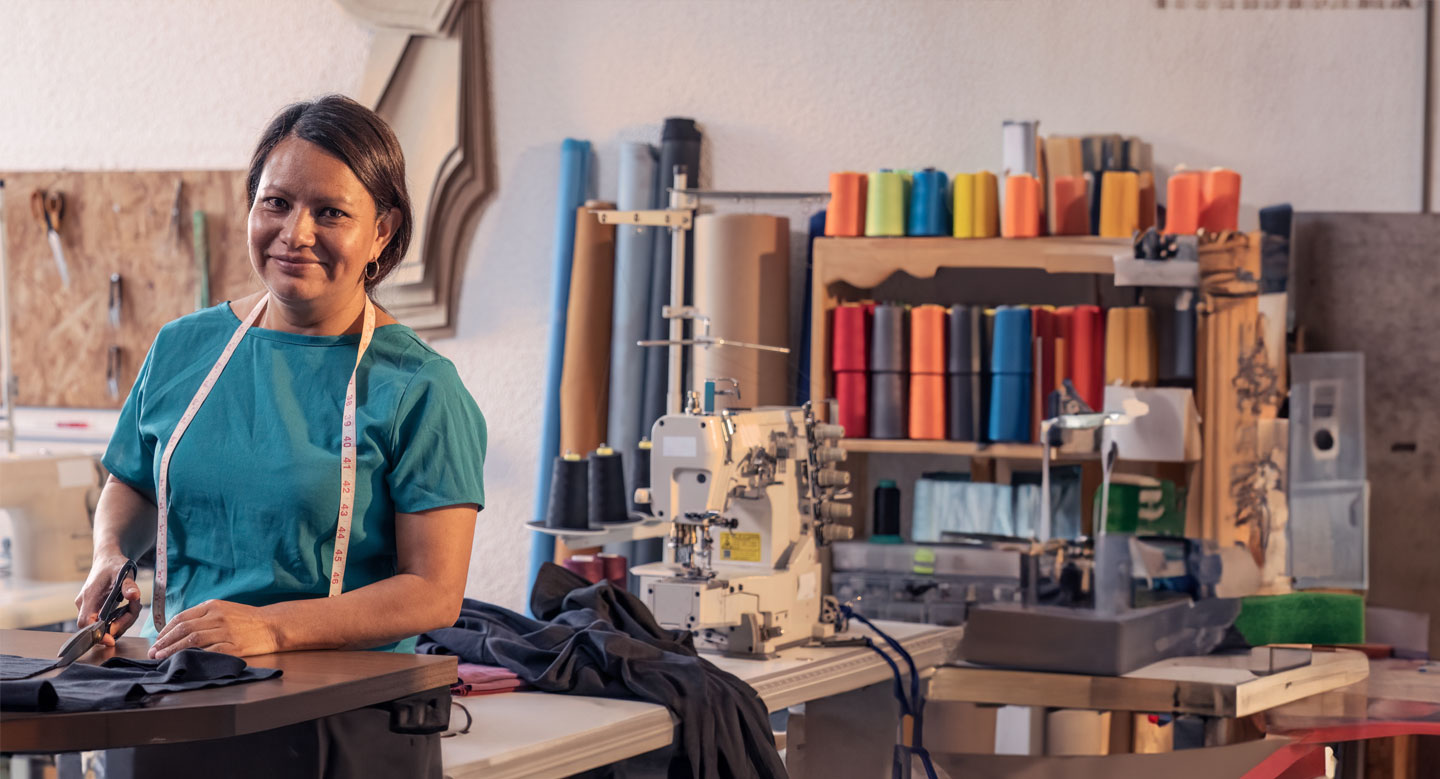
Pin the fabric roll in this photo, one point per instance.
(1087, 354)
(585, 377)
(888, 415)
(802, 362)
(742, 282)
(1139, 347)
(574, 167)
(1022, 207)
(1117, 369)
(885, 204)
(634, 252)
(1182, 204)
(987, 205)
(887, 338)
(1147, 200)
(1220, 200)
(962, 206)
(850, 359)
(1120, 208)
(964, 372)
(1175, 339)
(1070, 211)
(845, 215)
(1095, 187)
(1010, 366)
(1042, 332)
(927, 373)
(634, 248)
(680, 142)
(927, 213)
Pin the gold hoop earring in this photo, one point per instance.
(371, 274)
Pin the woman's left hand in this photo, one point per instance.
(217, 626)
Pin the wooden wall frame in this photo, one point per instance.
(421, 41)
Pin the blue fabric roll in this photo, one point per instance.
(928, 212)
(574, 174)
(634, 248)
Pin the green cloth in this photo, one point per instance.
(255, 482)
(1302, 618)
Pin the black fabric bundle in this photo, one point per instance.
(592, 639)
(119, 682)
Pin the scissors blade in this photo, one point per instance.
(83, 641)
(59, 252)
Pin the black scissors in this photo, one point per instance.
(112, 609)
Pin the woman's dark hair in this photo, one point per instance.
(362, 140)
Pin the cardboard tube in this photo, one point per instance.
(742, 282)
(845, 216)
(585, 377)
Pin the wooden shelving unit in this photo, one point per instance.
(867, 262)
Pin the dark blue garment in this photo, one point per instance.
(120, 682)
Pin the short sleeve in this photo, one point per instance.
(438, 445)
(130, 457)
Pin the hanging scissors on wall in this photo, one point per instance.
(48, 208)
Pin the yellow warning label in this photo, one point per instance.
(740, 547)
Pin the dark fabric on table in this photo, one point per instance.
(14, 667)
(599, 641)
(120, 682)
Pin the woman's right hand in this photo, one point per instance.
(97, 587)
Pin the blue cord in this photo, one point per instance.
(914, 706)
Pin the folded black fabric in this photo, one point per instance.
(599, 641)
(121, 682)
(13, 667)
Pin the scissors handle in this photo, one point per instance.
(112, 609)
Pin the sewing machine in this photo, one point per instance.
(750, 496)
(49, 499)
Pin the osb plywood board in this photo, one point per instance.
(114, 222)
(1369, 283)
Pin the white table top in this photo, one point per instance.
(28, 604)
(540, 735)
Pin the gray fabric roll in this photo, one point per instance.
(634, 250)
(888, 417)
(888, 344)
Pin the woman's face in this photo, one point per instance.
(313, 227)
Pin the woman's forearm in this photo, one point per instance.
(124, 521)
(391, 609)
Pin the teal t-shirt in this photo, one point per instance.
(255, 481)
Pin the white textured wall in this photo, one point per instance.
(1320, 107)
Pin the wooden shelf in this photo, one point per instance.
(995, 451)
(865, 262)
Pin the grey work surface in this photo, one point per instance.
(314, 685)
(542, 735)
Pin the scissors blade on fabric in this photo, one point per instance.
(87, 637)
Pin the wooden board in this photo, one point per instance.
(1237, 385)
(114, 222)
(1217, 685)
(313, 685)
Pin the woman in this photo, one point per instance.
(253, 501)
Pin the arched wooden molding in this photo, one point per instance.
(433, 90)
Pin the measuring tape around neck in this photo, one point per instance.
(347, 460)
